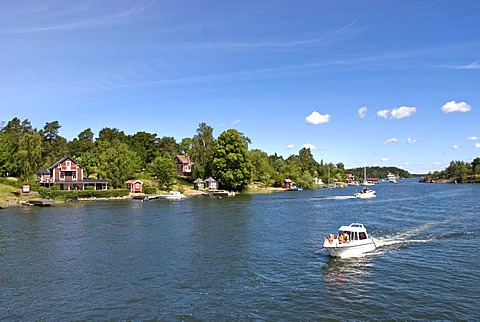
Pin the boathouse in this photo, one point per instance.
(135, 186)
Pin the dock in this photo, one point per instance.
(40, 202)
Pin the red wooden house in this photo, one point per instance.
(135, 186)
(68, 175)
(183, 165)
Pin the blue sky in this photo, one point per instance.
(387, 83)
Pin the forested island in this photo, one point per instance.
(456, 172)
(117, 157)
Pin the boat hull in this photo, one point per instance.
(349, 249)
(365, 195)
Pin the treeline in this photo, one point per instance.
(380, 172)
(457, 171)
(117, 157)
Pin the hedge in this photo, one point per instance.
(48, 193)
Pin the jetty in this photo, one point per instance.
(39, 202)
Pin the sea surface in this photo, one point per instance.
(245, 258)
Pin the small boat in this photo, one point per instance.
(391, 178)
(352, 241)
(173, 195)
(365, 193)
(365, 182)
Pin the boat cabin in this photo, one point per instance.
(354, 231)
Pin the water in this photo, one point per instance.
(245, 258)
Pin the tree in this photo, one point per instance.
(231, 165)
(145, 146)
(54, 146)
(262, 170)
(109, 134)
(476, 166)
(82, 144)
(117, 162)
(29, 155)
(203, 147)
(168, 146)
(163, 170)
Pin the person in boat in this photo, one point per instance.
(346, 238)
(330, 238)
(341, 238)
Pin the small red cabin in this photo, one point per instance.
(135, 186)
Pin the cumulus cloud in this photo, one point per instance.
(472, 138)
(309, 146)
(397, 113)
(455, 146)
(411, 141)
(316, 118)
(392, 140)
(362, 111)
(453, 106)
(290, 146)
(437, 163)
(477, 145)
(385, 159)
(236, 122)
(383, 113)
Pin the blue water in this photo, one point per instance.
(253, 257)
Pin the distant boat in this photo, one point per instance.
(365, 182)
(391, 178)
(173, 195)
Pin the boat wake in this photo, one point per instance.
(335, 198)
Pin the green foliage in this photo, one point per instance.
(379, 172)
(232, 166)
(150, 190)
(48, 193)
(163, 170)
(116, 162)
(202, 149)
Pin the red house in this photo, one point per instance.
(68, 175)
(135, 186)
(183, 165)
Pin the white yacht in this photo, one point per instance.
(351, 241)
(391, 178)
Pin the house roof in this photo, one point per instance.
(288, 181)
(134, 181)
(198, 181)
(210, 179)
(183, 158)
(65, 157)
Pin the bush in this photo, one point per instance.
(150, 190)
(49, 193)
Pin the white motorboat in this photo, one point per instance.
(365, 193)
(391, 178)
(351, 241)
(173, 195)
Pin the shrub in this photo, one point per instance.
(150, 190)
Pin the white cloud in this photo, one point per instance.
(290, 146)
(362, 111)
(385, 159)
(411, 141)
(472, 138)
(316, 118)
(402, 112)
(236, 122)
(383, 113)
(477, 145)
(437, 163)
(309, 146)
(392, 140)
(453, 106)
(455, 146)
(397, 113)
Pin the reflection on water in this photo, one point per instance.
(346, 271)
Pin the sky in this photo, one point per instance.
(365, 83)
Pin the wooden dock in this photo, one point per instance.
(40, 202)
